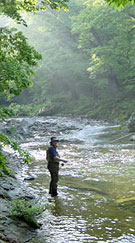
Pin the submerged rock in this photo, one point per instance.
(126, 203)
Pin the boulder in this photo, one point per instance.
(27, 122)
(131, 123)
(132, 138)
(29, 178)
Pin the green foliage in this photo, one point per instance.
(25, 110)
(16, 60)
(120, 128)
(27, 211)
(120, 3)
(88, 60)
(111, 52)
(23, 207)
(14, 8)
(111, 49)
(5, 112)
(83, 70)
(63, 67)
(7, 141)
(3, 162)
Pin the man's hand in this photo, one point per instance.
(64, 160)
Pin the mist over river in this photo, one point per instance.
(96, 189)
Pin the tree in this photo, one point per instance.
(105, 53)
(16, 55)
(120, 3)
(62, 70)
(112, 49)
(13, 8)
(17, 59)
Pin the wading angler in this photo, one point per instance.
(53, 158)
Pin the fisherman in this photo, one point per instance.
(53, 159)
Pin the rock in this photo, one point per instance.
(28, 197)
(4, 194)
(131, 123)
(132, 138)
(22, 130)
(27, 122)
(3, 238)
(18, 193)
(2, 126)
(7, 187)
(17, 232)
(1, 241)
(29, 178)
(4, 207)
(33, 127)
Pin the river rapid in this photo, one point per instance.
(96, 189)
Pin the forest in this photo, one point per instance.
(67, 79)
(85, 54)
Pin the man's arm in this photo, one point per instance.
(59, 159)
(55, 156)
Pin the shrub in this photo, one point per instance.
(27, 211)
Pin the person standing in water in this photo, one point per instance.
(53, 158)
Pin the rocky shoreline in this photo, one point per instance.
(13, 186)
(13, 230)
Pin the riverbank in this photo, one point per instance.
(12, 229)
(111, 111)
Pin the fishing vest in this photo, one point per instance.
(52, 164)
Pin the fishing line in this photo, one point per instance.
(121, 137)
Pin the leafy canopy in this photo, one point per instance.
(17, 58)
(13, 8)
(120, 3)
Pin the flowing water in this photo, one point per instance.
(96, 201)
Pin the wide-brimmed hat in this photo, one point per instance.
(54, 139)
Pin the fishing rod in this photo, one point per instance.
(121, 137)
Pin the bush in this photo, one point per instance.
(27, 211)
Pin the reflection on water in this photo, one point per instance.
(96, 187)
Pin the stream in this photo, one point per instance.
(96, 189)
